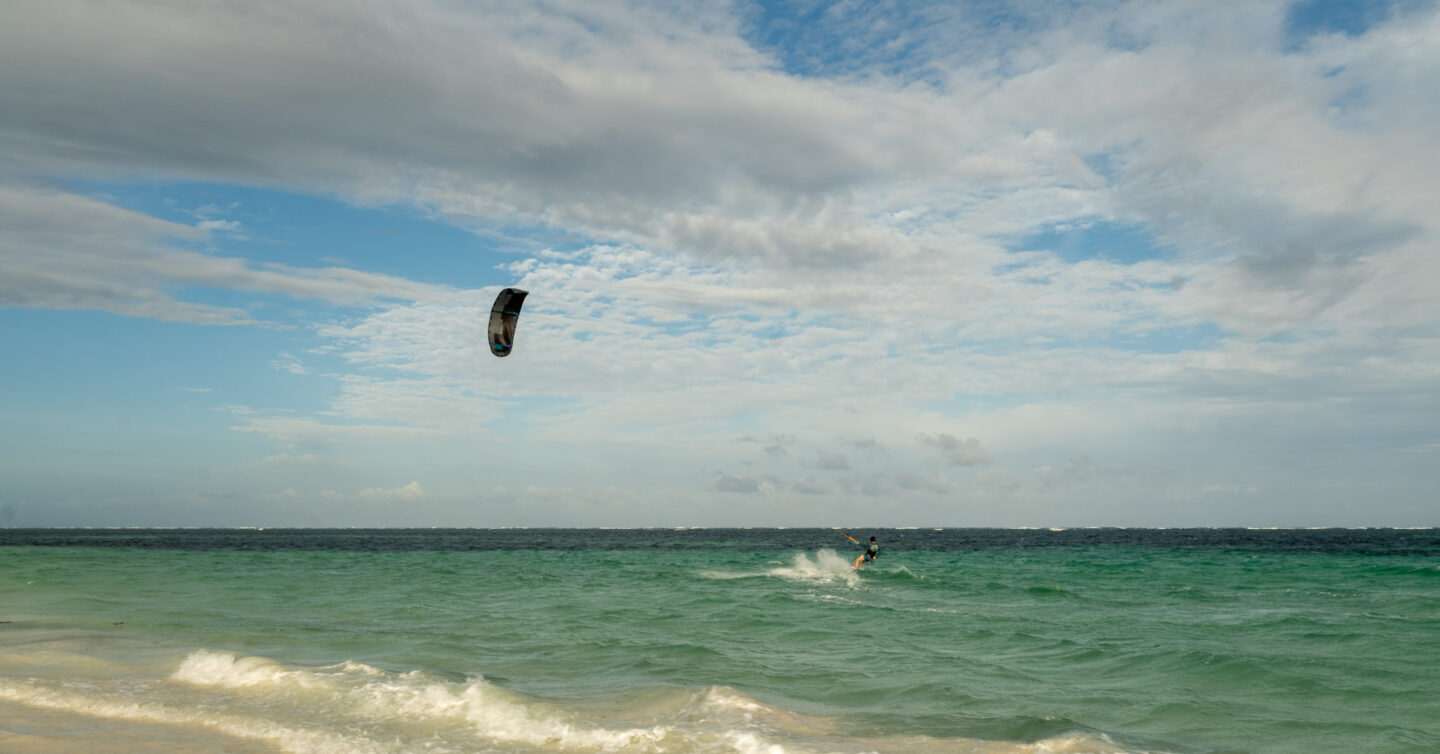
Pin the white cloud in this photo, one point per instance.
(296, 432)
(289, 363)
(1215, 137)
(290, 459)
(745, 484)
(411, 491)
(811, 486)
(750, 251)
(939, 485)
(64, 251)
(955, 451)
(226, 226)
(1076, 471)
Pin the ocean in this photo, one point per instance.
(752, 641)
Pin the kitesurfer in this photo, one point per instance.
(871, 552)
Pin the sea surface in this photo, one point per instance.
(753, 641)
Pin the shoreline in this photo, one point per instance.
(26, 729)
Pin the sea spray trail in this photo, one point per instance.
(727, 640)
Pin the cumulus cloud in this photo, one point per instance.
(406, 493)
(811, 486)
(1076, 471)
(1197, 124)
(551, 124)
(868, 484)
(955, 451)
(745, 484)
(909, 480)
(868, 445)
(547, 122)
(289, 363)
(411, 491)
(225, 226)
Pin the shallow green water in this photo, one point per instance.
(1092, 648)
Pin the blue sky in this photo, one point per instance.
(1137, 263)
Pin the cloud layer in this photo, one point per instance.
(1046, 260)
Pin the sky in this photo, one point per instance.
(790, 263)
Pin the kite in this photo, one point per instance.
(503, 318)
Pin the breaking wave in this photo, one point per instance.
(353, 707)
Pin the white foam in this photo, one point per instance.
(727, 575)
(498, 715)
(206, 668)
(749, 743)
(726, 698)
(356, 708)
(825, 566)
(1074, 744)
(903, 571)
(353, 688)
(96, 704)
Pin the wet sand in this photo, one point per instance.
(31, 730)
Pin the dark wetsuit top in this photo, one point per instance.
(872, 552)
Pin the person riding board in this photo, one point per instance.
(872, 552)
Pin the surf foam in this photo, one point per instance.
(825, 566)
(356, 708)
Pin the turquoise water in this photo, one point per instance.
(725, 643)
